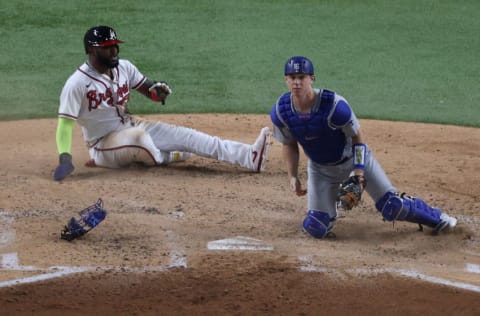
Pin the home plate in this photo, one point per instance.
(239, 243)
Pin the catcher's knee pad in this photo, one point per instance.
(318, 224)
(394, 206)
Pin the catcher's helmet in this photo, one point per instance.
(100, 35)
(299, 65)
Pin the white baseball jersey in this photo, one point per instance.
(96, 101)
(116, 139)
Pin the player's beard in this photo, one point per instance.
(107, 62)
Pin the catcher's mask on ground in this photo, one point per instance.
(100, 36)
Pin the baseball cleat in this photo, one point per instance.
(178, 156)
(260, 149)
(446, 222)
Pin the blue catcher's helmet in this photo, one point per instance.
(299, 65)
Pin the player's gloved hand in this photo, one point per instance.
(350, 192)
(64, 168)
(159, 91)
(296, 186)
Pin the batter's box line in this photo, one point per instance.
(9, 262)
(469, 220)
(307, 265)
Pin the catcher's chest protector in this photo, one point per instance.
(321, 143)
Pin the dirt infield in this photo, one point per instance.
(205, 238)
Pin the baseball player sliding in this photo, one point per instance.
(340, 164)
(96, 96)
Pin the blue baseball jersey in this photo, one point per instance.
(325, 133)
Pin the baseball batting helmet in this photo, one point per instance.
(299, 65)
(100, 36)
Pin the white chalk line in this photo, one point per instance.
(472, 268)
(7, 234)
(432, 279)
(178, 257)
(41, 277)
(178, 260)
(10, 263)
(307, 266)
(468, 219)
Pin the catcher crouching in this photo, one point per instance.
(340, 164)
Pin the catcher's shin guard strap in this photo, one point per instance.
(318, 224)
(405, 208)
(359, 156)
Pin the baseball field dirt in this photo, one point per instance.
(201, 237)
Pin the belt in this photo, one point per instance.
(345, 159)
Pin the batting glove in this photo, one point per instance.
(159, 91)
(64, 168)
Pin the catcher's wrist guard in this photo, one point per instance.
(87, 220)
(350, 192)
(359, 156)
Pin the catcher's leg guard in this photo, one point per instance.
(412, 209)
(318, 224)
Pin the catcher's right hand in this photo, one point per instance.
(351, 191)
(296, 186)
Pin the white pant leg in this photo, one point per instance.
(121, 148)
(168, 137)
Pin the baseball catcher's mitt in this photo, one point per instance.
(351, 191)
(87, 220)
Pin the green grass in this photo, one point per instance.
(410, 60)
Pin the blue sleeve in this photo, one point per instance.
(342, 114)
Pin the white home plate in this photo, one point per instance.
(239, 243)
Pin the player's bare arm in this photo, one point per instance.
(291, 156)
